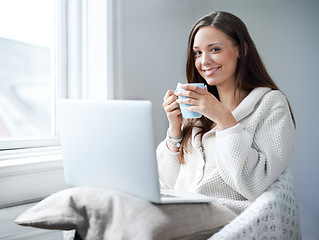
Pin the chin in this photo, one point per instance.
(210, 82)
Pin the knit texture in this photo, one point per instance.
(274, 215)
(238, 164)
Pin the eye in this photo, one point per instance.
(215, 49)
(197, 53)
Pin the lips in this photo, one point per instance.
(210, 71)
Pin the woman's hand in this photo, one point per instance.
(173, 112)
(207, 104)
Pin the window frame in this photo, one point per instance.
(72, 71)
(26, 162)
(58, 67)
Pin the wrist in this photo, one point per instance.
(225, 121)
(174, 132)
(174, 141)
(171, 148)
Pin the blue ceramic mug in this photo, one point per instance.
(185, 113)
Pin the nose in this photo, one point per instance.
(206, 59)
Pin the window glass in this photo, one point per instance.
(26, 63)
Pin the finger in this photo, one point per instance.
(191, 87)
(170, 100)
(187, 93)
(193, 108)
(177, 112)
(189, 101)
(168, 94)
(171, 107)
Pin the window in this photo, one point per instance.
(27, 77)
(49, 49)
(86, 35)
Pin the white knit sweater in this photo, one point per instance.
(238, 164)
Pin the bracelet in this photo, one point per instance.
(175, 141)
(181, 136)
(177, 145)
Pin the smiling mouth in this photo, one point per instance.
(211, 70)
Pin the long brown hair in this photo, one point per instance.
(250, 72)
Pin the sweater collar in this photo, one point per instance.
(249, 103)
(246, 107)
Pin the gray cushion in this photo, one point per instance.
(98, 213)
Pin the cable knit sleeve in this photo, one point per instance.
(251, 156)
(168, 165)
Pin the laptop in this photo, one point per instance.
(111, 144)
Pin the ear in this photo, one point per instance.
(246, 49)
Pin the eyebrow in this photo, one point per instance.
(209, 45)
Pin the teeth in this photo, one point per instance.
(213, 69)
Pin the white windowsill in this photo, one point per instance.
(28, 179)
(15, 165)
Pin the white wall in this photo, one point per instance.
(155, 39)
(286, 33)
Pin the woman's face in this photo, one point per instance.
(215, 56)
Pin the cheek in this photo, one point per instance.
(197, 64)
(230, 61)
(234, 62)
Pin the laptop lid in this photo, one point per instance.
(109, 144)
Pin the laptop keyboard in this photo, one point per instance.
(166, 195)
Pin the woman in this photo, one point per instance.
(245, 137)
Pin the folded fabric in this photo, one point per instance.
(98, 213)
